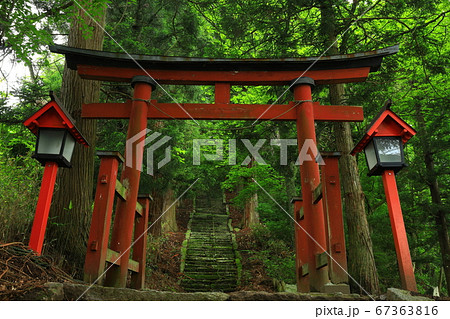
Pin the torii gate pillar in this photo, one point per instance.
(310, 180)
(125, 212)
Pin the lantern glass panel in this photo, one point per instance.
(389, 150)
(371, 156)
(68, 147)
(50, 141)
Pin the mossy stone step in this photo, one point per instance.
(199, 236)
(195, 267)
(215, 251)
(208, 230)
(225, 270)
(212, 246)
(191, 264)
(219, 274)
(210, 287)
(210, 241)
(210, 270)
(208, 282)
(201, 261)
(217, 259)
(209, 222)
(209, 257)
(212, 253)
(211, 249)
(207, 260)
(211, 277)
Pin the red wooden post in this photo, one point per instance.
(310, 179)
(140, 246)
(333, 216)
(101, 216)
(222, 93)
(43, 207)
(301, 247)
(124, 219)
(398, 229)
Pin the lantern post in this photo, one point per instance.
(56, 138)
(383, 147)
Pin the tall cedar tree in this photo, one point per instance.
(361, 262)
(71, 207)
(438, 209)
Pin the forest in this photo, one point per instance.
(415, 79)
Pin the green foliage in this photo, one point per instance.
(270, 181)
(33, 93)
(27, 26)
(154, 250)
(417, 82)
(278, 258)
(20, 177)
(265, 175)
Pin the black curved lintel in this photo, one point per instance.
(75, 56)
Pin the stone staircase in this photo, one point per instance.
(209, 257)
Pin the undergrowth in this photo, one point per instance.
(262, 247)
(19, 184)
(163, 261)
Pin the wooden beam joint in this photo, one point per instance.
(321, 260)
(121, 190)
(300, 215)
(317, 194)
(113, 257)
(304, 270)
(139, 209)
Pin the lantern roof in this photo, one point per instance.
(386, 123)
(54, 115)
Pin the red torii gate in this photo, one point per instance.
(319, 234)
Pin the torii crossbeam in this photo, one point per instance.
(223, 73)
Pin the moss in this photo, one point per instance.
(237, 259)
(184, 251)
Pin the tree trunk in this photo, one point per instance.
(155, 211)
(438, 208)
(71, 209)
(251, 216)
(361, 261)
(169, 219)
